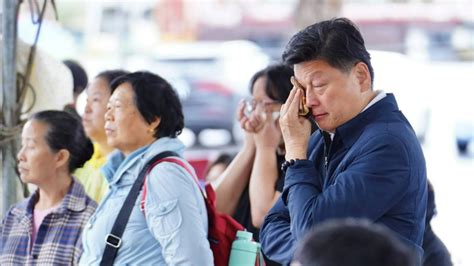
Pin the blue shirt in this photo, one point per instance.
(173, 229)
(374, 169)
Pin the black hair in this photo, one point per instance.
(66, 132)
(352, 242)
(337, 41)
(111, 75)
(79, 76)
(154, 97)
(278, 84)
(223, 158)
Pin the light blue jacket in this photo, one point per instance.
(175, 229)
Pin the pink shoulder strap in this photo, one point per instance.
(175, 160)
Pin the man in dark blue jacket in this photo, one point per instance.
(364, 162)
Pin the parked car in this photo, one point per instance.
(230, 62)
(210, 77)
(408, 80)
(210, 106)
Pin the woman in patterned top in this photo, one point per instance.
(46, 228)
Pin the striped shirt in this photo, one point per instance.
(58, 240)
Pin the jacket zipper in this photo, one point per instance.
(327, 150)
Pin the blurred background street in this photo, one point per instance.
(422, 51)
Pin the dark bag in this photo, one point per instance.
(222, 228)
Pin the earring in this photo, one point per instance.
(150, 130)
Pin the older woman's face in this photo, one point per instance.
(125, 127)
(36, 161)
(98, 94)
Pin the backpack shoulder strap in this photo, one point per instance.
(113, 240)
(171, 159)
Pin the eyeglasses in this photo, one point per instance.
(250, 105)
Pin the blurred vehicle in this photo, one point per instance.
(460, 76)
(408, 80)
(231, 62)
(210, 77)
(464, 128)
(209, 112)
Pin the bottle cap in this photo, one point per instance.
(244, 235)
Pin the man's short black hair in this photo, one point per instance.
(337, 41)
(353, 242)
(155, 98)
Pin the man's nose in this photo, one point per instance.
(312, 98)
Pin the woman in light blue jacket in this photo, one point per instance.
(144, 116)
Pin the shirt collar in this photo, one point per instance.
(98, 159)
(74, 200)
(380, 94)
(117, 163)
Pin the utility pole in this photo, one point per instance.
(312, 11)
(9, 106)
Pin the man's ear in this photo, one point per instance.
(362, 75)
(62, 158)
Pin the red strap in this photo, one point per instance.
(170, 160)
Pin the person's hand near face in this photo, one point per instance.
(269, 136)
(295, 129)
(253, 122)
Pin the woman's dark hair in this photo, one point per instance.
(336, 41)
(66, 132)
(223, 158)
(79, 76)
(154, 97)
(111, 75)
(278, 84)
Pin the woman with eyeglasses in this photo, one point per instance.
(251, 184)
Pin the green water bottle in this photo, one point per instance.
(245, 251)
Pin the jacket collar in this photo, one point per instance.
(351, 130)
(74, 200)
(117, 163)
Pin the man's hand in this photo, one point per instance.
(295, 129)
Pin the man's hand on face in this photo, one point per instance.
(296, 129)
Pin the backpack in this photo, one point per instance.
(222, 227)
